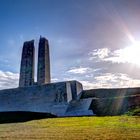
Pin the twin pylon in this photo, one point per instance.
(27, 67)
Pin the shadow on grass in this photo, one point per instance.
(22, 116)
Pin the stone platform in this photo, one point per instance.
(60, 99)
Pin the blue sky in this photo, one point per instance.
(87, 39)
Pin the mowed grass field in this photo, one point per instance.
(74, 128)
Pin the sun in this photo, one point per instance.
(131, 54)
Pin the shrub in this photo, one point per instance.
(134, 112)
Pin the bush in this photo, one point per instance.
(134, 112)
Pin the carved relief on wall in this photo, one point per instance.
(60, 96)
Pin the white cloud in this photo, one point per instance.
(126, 55)
(99, 53)
(110, 80)
(90, 85)
(54, 79)
(118, 80)
(80, 70)
(106, 80)
(8, 79)
(118, 56)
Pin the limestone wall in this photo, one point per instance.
(112, 101)
(49, 98)
(114, 106)
(110, 93)
(77, 90)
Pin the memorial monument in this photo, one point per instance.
(43, 71)
(27, 64)
(65, 98)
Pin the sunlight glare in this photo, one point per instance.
(131, 54)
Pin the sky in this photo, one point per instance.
(93, 41)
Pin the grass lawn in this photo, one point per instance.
(74, 128)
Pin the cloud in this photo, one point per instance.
(8, 79)
(119, 56)
(111, 80)
(99, 53)
(54, 79)
(90, 85)
(117, 80)
(100, 80)
(81, 70)
(103, 76)
(129, 54)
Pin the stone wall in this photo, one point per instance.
(110, 93)
(114, 106)
(76, 88)
(112, 101)
(49, 98)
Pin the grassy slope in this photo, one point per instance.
(77, 128)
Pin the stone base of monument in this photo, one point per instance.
(79, 108)
(60, 99)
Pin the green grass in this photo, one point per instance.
(74, 128)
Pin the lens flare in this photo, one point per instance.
(131, 54)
